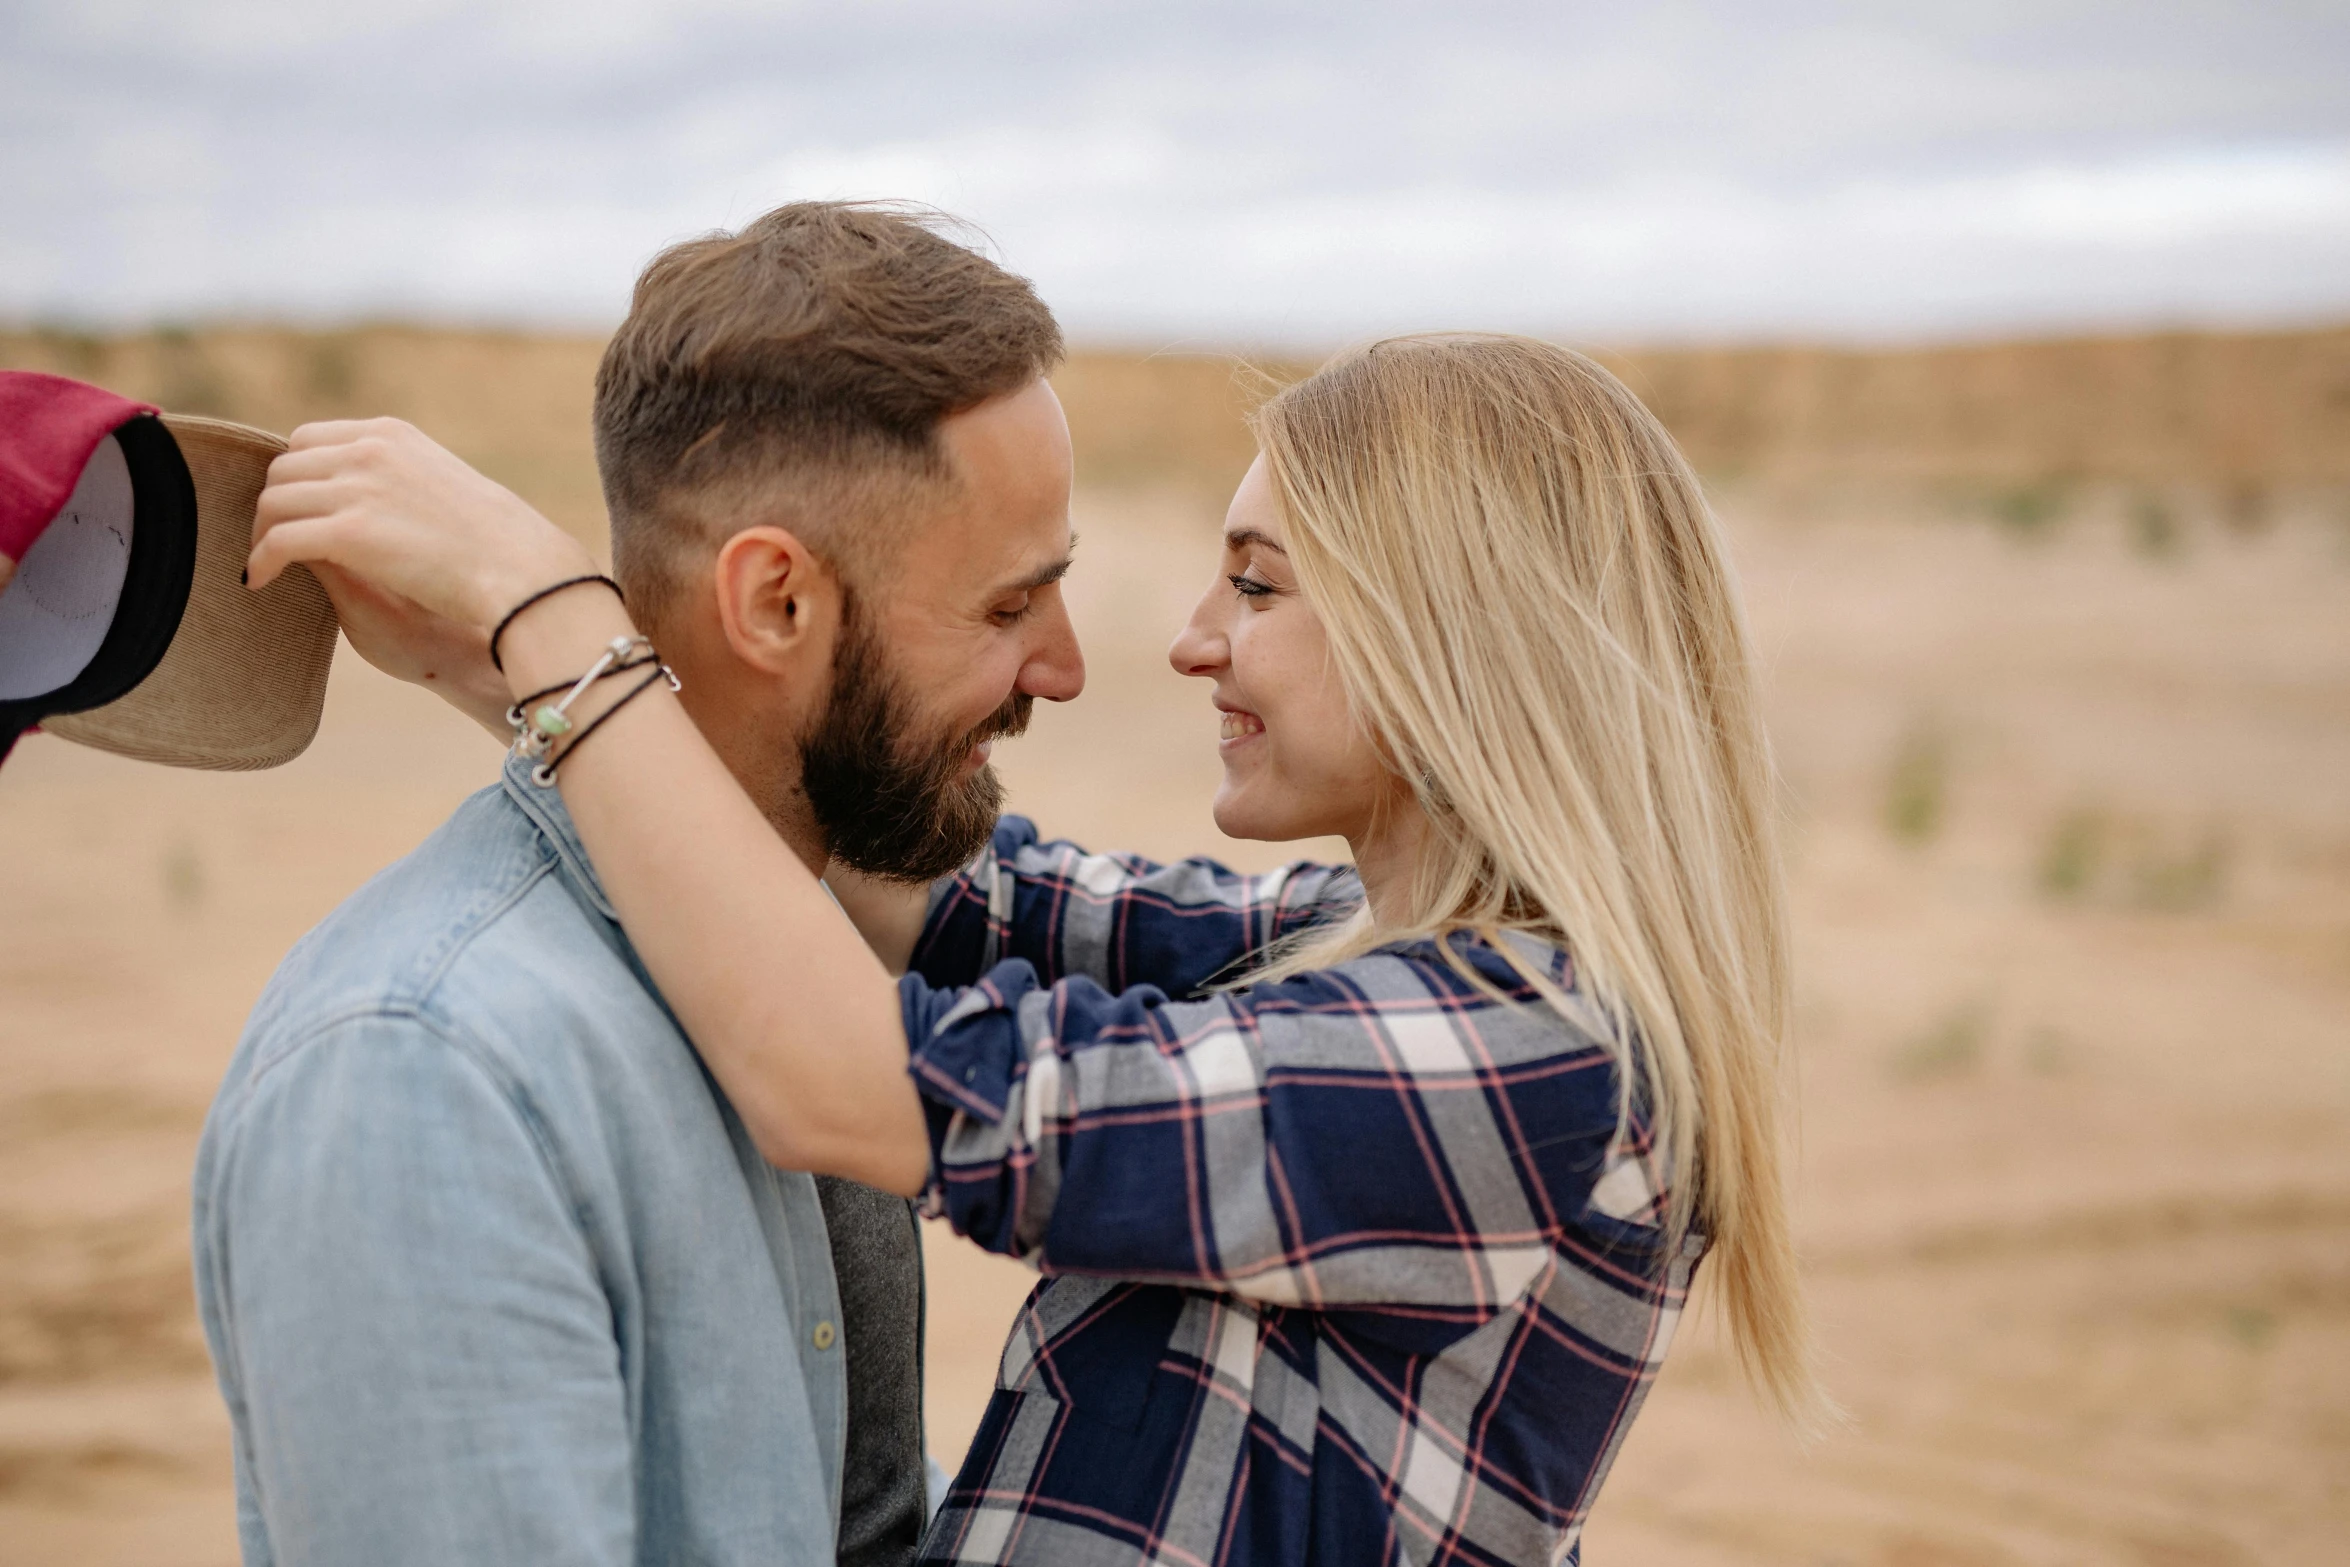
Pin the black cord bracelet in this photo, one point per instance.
(523, 704)
(544, 774)
(547, 592)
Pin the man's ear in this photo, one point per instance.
(777, 603)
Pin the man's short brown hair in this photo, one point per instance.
(797, 372)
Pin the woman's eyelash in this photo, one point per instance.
(1249, 587)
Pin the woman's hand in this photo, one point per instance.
(409, 642)
(443, 548)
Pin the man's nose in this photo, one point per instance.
(1055, 669)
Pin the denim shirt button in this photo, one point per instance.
(823, 1336)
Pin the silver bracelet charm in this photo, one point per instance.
(544, 774)
(544, 725)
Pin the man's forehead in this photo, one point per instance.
(987, 543)
(1006, 511)
(1000, 554)
(1023, 422)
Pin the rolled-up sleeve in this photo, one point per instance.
(400, 1298)
(1379, 1134)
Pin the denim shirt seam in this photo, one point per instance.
(555, 828)
(473, 927)
(511, 1093)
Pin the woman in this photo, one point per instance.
(1372, 1249)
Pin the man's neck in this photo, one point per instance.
(799, 833)
(770, 774)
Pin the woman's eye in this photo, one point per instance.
(1249, 587)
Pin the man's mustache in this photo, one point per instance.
(1007, 722)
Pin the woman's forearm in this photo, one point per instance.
(887, 914)
(792, 1012)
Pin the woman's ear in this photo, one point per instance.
(777, 603)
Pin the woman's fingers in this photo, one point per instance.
(291, 542)
(283, 503)
(379, 499)
(345, 494)
(352, 537)
(310, 462)
(340, 432)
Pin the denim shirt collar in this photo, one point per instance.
(547, 812)
(545, 808)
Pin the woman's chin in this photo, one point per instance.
(1232, 815)
(1239, 816)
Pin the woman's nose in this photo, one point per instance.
(1201, 648)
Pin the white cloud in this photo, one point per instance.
(2288, 194)
(1200, 168)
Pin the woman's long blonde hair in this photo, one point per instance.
(1531, 608)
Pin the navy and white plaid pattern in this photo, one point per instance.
(1357, 1269)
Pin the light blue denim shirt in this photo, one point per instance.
(490, 1269)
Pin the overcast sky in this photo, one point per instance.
(1196, 171)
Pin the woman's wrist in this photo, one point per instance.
(497, 590)
(558, 638)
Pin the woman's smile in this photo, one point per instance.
(1240, 726)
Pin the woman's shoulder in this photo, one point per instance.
(1473, 967)
(1463, 994)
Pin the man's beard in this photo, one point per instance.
(890, 802)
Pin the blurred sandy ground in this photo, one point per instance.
(2069, 790)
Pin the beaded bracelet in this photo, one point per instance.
(516, 715)
(537, 728)
(544, 774)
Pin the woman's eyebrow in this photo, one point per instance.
(1244, 537)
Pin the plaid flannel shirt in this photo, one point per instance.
(1353, 1266)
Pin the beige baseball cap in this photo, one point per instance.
(156, 529)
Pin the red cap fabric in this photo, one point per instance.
(53, 426)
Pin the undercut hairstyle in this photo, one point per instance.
(796, 373)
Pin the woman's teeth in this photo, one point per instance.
(1239, 726)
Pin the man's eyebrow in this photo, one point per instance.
(1244, 537)
(1045, 576)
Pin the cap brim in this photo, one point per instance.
(244, 680)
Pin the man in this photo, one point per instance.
(490, 1268)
